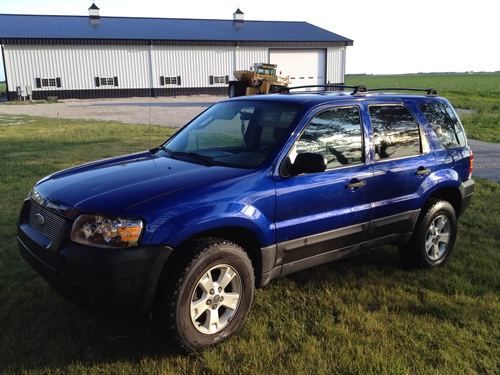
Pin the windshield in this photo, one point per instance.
(268, 72)
(236, 134)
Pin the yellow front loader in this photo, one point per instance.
(261, 79)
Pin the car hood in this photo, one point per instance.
(113, 185)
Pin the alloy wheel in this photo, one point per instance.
(215, 299)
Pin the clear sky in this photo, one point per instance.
(389, 36)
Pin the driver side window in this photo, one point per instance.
(336, 134)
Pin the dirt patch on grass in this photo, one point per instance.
(14, 120)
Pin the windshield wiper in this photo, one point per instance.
(205, 159)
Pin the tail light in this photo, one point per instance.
(471, 163)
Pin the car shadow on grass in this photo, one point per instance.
(50, 332)
(377, 280)
(53, 334)
(383, 269)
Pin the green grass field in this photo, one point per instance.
(362, 315)
(3, 87)
(479, 92)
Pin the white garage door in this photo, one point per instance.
(304, 66)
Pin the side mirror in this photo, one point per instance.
(309, 162)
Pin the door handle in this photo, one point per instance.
(422, 171)
(356, 184)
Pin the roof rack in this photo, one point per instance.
(429, 91)
(356, 89)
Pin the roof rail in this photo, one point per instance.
(356, 89)
(429, 91)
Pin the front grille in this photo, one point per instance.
(50, 226)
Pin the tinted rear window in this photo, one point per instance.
(445, 124)
(395, 132)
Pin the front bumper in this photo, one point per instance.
(119, 281)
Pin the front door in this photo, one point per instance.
(317, 213)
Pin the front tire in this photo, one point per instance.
(209, 296)
(232, 91)
(434, 236)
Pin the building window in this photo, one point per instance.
(169, 80)
(106, 81)
(47, 82)
(218, 79)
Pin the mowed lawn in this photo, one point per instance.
(479, 92)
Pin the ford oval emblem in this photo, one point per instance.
(40, 220)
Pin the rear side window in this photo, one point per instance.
(336, 134)
(445, 124)
(395, 132)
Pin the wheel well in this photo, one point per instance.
(242, 237)
(451, 195)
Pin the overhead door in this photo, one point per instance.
(304, 66)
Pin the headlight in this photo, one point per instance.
(102, 231)
(35, 195)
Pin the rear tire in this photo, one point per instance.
(434, 236)
(236, 89)
(207, 297)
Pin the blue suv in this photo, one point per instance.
(252, 189)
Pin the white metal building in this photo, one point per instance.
(92, 57)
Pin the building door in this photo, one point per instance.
(304, 66)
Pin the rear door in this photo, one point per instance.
(401, 162)
(320, 212)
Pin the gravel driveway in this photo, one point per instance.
(486, 159)
(166, 111)
(177, 111)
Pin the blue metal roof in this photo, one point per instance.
(15, 26)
